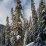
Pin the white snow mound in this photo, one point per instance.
(31, 44)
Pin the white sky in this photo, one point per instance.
(6, 5)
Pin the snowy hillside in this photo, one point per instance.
(31, 44)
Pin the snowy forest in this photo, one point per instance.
(23, 32)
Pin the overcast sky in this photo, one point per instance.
(6, 5)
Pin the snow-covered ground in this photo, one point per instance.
(31, 44)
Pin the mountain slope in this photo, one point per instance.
(1, 27)
(32, 44)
